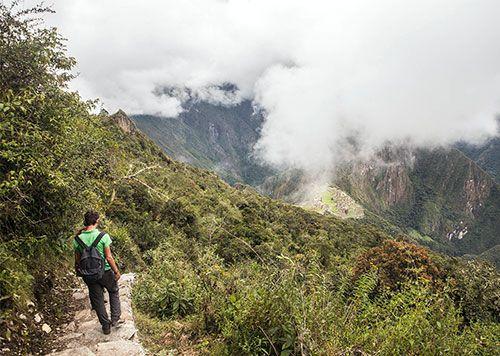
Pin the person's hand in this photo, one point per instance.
(117, 276)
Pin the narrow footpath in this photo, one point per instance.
(83, 336)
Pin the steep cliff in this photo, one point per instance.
(440, 193)
(121, 120)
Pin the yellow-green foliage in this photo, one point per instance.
(128, 255)
(288, 307)
(15, 281)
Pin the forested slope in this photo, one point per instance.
(223, 270)
(439, 193)
(210, 136)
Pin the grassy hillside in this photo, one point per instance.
(222, 270)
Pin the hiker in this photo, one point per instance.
(94, 262)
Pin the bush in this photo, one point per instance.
(171, 289)
(126, 252)
(414, 320)
(15, 280)
(475, 286)
(396, 263)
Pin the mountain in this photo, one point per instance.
(440, 197)
(214, 137)
(486, 155)
(440, 193)
(443, 197)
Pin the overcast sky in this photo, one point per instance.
(425, 72)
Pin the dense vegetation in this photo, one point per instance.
(223, 270)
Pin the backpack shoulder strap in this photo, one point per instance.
(98, 239)
(80, 242)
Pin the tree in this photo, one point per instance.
(31, 56)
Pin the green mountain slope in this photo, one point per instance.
(487, 155)
(440, 193)
(211, 136)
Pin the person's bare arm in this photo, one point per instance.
(78, 255)
(111, 261)
(77, 261)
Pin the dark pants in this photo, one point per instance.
(96, 294)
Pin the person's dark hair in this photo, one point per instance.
(90, 218)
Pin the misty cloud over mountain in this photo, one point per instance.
(418, 72)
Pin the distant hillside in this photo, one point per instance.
(440, 193)
(487, 155)
(210, 136)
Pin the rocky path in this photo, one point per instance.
(83, 336)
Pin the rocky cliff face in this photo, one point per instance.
(123, 122)
(383, 181)
(440, 193)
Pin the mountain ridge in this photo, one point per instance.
(210, 136)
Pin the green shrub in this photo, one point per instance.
(475, 287)
(15, 280)
(171, 289)
(126, 252)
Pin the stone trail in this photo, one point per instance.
(83, 336)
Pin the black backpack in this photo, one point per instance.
(91, 266)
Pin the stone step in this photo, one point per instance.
(122, 348)
(78, 351)
(83, 336)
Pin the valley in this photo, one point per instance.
(441, 193)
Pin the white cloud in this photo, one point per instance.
(426, 72)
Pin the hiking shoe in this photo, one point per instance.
(106, 329)
(118, 323)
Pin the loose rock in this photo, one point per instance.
(46, 328)
(79, 295)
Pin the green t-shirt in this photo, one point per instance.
(88, 237)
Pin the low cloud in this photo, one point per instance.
(420, 72)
